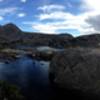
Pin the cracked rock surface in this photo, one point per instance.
(78, 69)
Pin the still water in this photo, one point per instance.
(30, 75)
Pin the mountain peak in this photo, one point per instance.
(10, 27)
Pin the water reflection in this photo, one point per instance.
(31, 75)
(23, 69)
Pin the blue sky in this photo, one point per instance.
(52, 16)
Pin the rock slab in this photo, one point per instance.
(77, 69)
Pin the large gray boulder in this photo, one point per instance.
(77, 69)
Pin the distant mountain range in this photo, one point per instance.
(12, 36)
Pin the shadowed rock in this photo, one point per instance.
(9, 32)
(11, 28)
(77, 69)
(92, 40)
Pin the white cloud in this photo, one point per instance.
(9, 10)
(62, 20)
(55, 18)
(93, 5)
(1, 18)
(23, 1)
(44, 28)
(60, 15)
(49, 8)
(69, 21)
(21, 15)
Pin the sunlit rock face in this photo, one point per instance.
(77, 69)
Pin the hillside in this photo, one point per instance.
(11, 35)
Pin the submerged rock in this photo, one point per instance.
(77, 69)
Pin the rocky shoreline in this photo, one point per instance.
(9, 55)
(74, 61)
